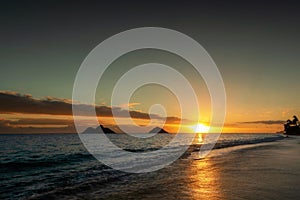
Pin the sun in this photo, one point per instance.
(200, 128)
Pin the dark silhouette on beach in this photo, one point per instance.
(295, 120)
(292, 127)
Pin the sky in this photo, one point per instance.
(254, 44)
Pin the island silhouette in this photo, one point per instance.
(158, 130)
(102, 129)
(99, 129)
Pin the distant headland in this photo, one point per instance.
(99, 129)
(158, 130)
(102, 129)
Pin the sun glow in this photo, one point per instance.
(200, 128)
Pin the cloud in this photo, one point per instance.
(44, 121)
(36, 126)
(171, 120)
(49, 98)
(268, 122)
(129, 105)
(12, 102)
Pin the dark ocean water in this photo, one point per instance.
(34, 166)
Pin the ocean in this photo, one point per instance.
(43, 166)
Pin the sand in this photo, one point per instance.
(261, 171)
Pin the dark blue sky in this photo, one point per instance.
(256, 45)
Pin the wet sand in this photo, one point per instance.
(261, 171)
(265, 171)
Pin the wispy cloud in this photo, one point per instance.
(268, 122)
(44, 121)
(36, 126)
(130, 105)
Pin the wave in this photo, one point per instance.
(36, 161)
(223, 143)
(50, 175)
(58, 159)
(108, 176)
(270, 138)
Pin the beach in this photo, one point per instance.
(264, 171)
(267, 170)
(153, 100)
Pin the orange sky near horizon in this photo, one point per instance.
(255, 104)
(254, 46)
(19, 122)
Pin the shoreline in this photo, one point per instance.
(256, 171)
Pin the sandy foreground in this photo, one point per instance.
(261, 171)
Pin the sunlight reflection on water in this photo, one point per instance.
(204, 181)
